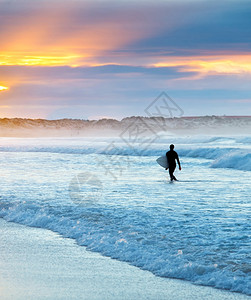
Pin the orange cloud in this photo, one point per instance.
(38, 59)
(214, 64)
(70, 35)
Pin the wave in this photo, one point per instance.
(224, 151)
(235, 160)
(244, 140)
(136, 237)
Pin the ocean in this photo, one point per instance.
(110, 195)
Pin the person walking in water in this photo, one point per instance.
(172, 156)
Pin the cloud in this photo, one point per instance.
(114, 90)
(114, 57)
(209, 26)
(81, 85)
(27, 74)
(73, 33)
(209, 65)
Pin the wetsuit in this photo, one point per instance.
(171, 158)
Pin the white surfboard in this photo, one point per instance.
(162, 161)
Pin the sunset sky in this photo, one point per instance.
(93, 59)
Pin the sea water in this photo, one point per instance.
(111, 196)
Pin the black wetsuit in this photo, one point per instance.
(171, 158)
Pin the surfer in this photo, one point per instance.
(172, 156)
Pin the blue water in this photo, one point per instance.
(114, 199)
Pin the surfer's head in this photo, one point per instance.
(171, 147)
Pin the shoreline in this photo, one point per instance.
(40, 264)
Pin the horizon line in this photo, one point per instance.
(132, 116)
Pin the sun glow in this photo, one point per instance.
(3, 88)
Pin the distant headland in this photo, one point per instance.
(19, 127)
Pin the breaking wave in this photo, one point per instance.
(225, 152)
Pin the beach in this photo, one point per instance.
(40, 264)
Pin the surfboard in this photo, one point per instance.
(162, 161)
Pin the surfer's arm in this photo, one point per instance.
(178, 161)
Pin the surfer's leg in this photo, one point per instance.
(171, 170)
